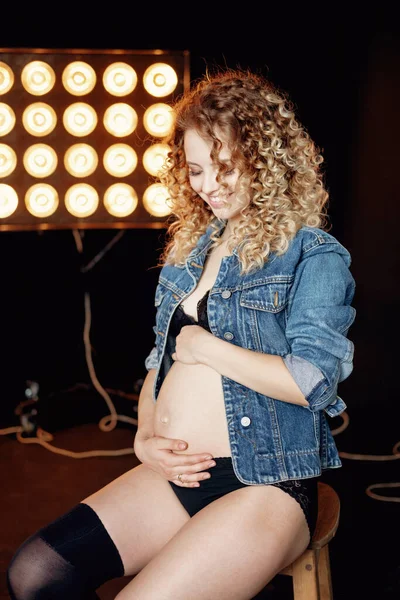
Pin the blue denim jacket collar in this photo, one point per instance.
(204, 240)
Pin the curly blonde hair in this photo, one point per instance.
(278, 162)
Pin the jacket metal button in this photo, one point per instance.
(245, 421)
(226, 294)
(228, 335)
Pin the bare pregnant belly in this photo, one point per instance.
(190, 407)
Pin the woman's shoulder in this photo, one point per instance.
(312, 240)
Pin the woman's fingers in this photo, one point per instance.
(194, 462)
(180, 459)
(178, 467)
(195, 472)
(192, 475)
(197, 467)
(183, 469)
(169, 444)
(190, 480)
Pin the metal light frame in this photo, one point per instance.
(19, 139)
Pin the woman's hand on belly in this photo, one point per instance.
(161, 455)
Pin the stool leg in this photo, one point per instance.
(324, 574)
(305, 577)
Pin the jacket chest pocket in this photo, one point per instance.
(265, 315)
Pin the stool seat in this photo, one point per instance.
(311, 572)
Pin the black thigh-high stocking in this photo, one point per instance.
(69, 558)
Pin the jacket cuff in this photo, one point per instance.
(151, 362)
(310, 380)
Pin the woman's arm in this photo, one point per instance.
(320, 353)
(146, 406)
(263, 373)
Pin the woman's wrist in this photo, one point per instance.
(142, 435)
(207, 349)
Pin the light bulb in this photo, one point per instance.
(8, 200)
(7, 119)
(41, 200)
(81, 200)
(119, 79)
(120, 199)
(155, 158)
(120, 119)
(39, 119)
(160, 80)
(120, 160)
(81, 160)
(158, 119)
(80, 119)
(155, 200)
(38, 78)
(8, 160)
(40, 160)
(79, 78)
(6, 78)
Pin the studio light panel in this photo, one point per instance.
(81, 136)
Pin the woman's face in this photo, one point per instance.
(224, 201)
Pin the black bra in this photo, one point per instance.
(180, 318)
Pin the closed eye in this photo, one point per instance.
(196, 173)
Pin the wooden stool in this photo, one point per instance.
(311, 572)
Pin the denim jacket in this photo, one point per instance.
(296, 306)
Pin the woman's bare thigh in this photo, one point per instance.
(229, 550)
(141, 513)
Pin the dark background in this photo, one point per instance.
(342, 71)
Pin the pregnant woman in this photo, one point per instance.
(253, 307)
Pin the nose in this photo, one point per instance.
(210, 183)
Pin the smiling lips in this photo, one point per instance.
(216, 202)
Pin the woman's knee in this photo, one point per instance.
(69, 558)
(32, 568)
